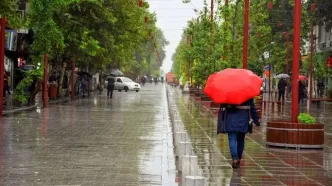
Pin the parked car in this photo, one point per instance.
(124, 83)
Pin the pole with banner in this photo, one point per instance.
(2, 59)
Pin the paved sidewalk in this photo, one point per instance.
(260, 165)
(95, 141)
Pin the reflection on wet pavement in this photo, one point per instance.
(95, 141)
(260, 165)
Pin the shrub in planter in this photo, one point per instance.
(306, 119)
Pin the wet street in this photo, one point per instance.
(92, 141)
(261, 165)
(129, 141)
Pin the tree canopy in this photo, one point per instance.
(268, 33)
(97, 34)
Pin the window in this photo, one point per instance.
(127, 80)
(119, 80)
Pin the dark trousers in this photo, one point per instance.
(281, 95)
(110, 89)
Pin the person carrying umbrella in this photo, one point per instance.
(234, 89)
(282, 84)
(302, 90)
(110, 87)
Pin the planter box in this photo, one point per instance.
(197, 94)
(214, 105)
(205, 98)
(193, 90)
(296, 135)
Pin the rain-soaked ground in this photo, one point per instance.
(261, 165)
(92, 141)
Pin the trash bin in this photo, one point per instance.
(52, 91)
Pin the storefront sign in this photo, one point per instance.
(11, 40)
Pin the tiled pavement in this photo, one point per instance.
(261, 165)
(95, 141)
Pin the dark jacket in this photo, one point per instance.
(233, 119)
(110, 81)
(301, 88)
(282, 85)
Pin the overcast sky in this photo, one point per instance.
(172, 18)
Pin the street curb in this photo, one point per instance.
(32, 107)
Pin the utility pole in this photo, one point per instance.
(296, 59)
(245, 34)
(212, 38)
(2, 59)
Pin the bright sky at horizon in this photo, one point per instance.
(173, 16)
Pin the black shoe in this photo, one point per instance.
(235, 164)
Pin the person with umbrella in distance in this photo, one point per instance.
(110, 87)
(282, 84)
(234, 89)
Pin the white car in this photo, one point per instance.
(124, 83)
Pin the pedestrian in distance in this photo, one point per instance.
(84, 84)
(234, 120)
(302, 91)
(320, 88)
(282, 84)
(143, 80)
(110, 87)
(99, 87)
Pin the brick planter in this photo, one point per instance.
(192, 91)
(288, 134)
(205, 98)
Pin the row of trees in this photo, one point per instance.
(95, 33)
(202, 51)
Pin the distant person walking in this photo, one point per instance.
(320, 88)
(143, 80)
(84, 84)
(302, 91)
(110, 87)
(282, 84)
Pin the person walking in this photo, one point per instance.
(110, 87)
(143, 80)
(320, 88)
(282, 84)
(84, 83)
(233, 120)
(302, 90)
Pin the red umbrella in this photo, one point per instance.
(233, 86)
(303, 78)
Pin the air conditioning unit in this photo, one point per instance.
(22, 5)
(322, 46)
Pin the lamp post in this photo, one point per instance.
(296, 59)
(2, 59)
(245, 34)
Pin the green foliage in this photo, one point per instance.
(306, 119)
(94, 33)
(8, 10)
(223, 49)
(21, 94)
